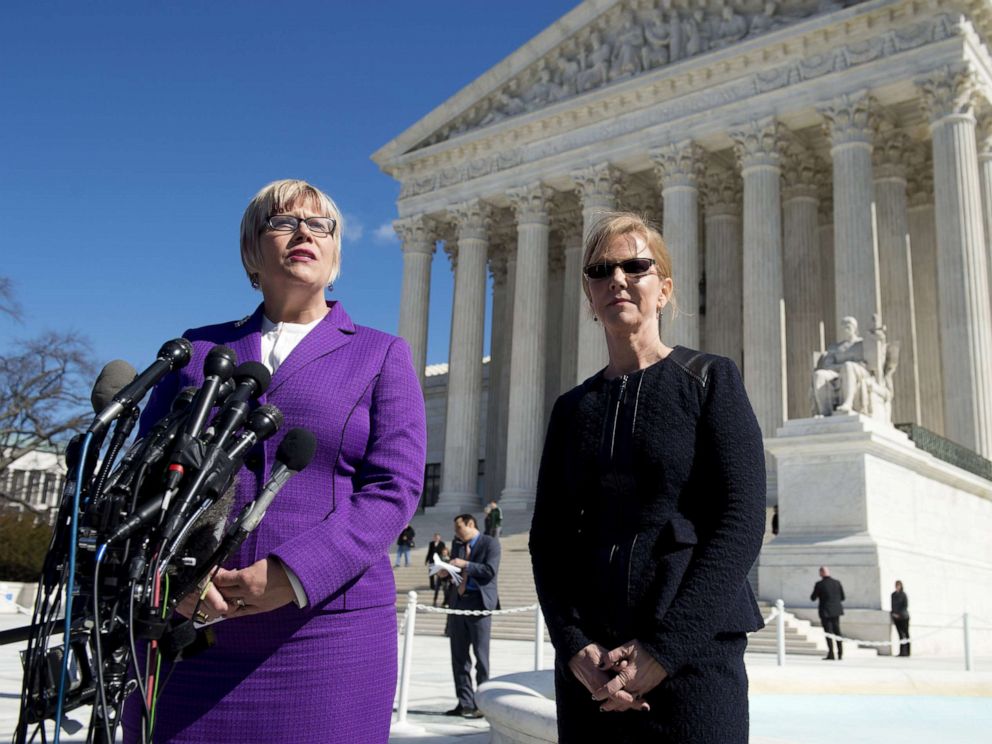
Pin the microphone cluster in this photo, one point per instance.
(150, 525)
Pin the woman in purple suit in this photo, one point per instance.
(307, 648)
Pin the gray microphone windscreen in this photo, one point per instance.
(112, 379)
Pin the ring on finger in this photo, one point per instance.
(202, 616)
(240, 602)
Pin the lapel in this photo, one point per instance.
(248, 346)
(333, 332)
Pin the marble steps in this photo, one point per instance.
(517, 590)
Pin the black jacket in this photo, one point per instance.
(900, 606)
(650, 511)
(431, 550)
(830, 594)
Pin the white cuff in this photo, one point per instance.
(294, 581)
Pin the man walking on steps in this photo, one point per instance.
(830, 594)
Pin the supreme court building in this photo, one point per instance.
(806, 159)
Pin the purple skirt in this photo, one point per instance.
(285, 676)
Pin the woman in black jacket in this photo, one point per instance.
(650, 510)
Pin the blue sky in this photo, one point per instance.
(133, 134)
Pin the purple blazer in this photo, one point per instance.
(332, 524)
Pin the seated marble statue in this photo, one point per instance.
(854, 375)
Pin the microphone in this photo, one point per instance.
(217, 369)
(253, 379)
(174, 354)
(295, 452)
(112, 379)
(263, 422)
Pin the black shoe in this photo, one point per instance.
(458, 710)
(471, 713)
(828, 658)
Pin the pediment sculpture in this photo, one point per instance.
(625, 42)
(854, 375)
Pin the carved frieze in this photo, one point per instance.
(628, 40)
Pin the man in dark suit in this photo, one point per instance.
(830, 594)
(477, 555)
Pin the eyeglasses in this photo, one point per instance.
(320, 226)
(630, 267)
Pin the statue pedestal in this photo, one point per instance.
(857, 495)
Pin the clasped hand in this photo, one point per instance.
(619, 678)
(260, 587)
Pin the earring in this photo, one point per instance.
(595, 319)
(253, 278)
(330, 286)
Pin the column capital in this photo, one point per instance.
(984, 134)
(919, 183)
(531, 203)
(416, 234)
(498, 260)
(472, 219)
(722, 192)
(849, 119)
(680, 164)
(757, 143)
(568, 224)
(889, 152)
(952, 91)
(599, 185)
(800, 172)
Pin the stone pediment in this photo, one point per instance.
(599, 43)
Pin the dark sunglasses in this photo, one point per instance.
(630, 267)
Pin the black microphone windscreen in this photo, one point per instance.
(257, 372)
(297, 449)
(178, 352)
(184, 398)
(112, 379)
(220, 362)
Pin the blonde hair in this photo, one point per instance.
(273, 199)
(612, 225)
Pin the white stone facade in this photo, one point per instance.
(807, 160)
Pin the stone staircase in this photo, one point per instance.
(516, 589)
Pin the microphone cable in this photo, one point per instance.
(70, 586)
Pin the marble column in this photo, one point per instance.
(923, 239)
(828, 312)
(599, 187)
(459, 470)
(896, 269)
(723, 329)
(418, 252)
(802, 282)
(679, 168)
(849, 126)
(574, 306)
(503, 412)
(985, 176)
(757, 148)
(553, 321)
(498, 369)
(525, 425)
(962, 274)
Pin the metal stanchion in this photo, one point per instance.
(407, 664)
(967, 643)
(780, 630)
(538, 639)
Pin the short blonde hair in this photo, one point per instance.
(273, 199)
(612, 225)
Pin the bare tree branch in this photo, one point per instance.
(8, 302)
(44, 397)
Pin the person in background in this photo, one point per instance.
(494, 519)
(900, 617)
(830, 594)
(478, 558)
(404, 544)
(435, 546)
